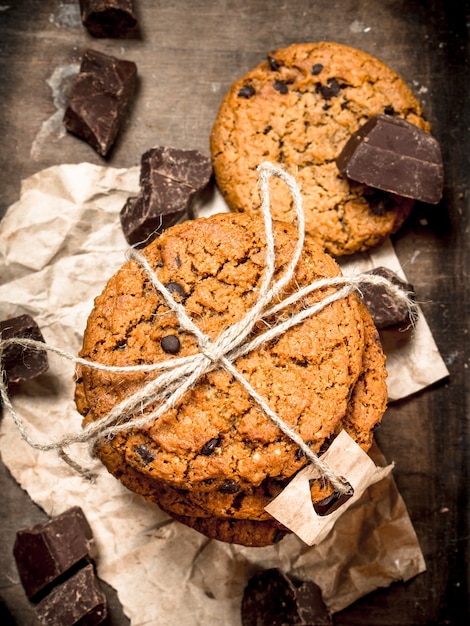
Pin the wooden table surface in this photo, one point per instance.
(188, 54)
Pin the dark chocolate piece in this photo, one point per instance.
(331, 89)
(45, 552)
(387, 311)
(170, 180)
(175, 289)
(281, 86)
(170, 344)
(209, 447)
(331, 503)
(145, 454)
(100, 99)
(247, 91)
(21, 363)
(229, 486)
(108, 18)
(271, 598)
(391, 154)
(78, 600)
(273, 64)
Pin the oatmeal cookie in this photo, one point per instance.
(298, 109)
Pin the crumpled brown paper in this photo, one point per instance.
(59, 244)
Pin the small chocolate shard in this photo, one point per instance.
(331, 503)
(387, 311)
(77, 601)
(170, 180)
(281, 86)
(229, 486)
(391, 154)
(109, 18)
(100, 99)
(247, 91)
(271, 598)
(209, 447)
(22, 363)
(176, 289)
(45, 552)
(145, 454)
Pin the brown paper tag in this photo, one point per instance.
(293, 506)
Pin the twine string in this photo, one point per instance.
(177, 375)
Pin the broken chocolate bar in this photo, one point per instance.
(108, 18)
(170, 180)
(78, 600)
(100, 98)
(386, 310)
(271, 598)
(391, 154)
(45, 552)
(22, 363)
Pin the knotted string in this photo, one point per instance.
(177, 375)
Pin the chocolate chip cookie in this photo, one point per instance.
(215, 459)
(298, 109)
(217, 438)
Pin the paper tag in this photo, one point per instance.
(293, 506)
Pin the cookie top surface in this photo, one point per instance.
(298, 109)
(217, 437)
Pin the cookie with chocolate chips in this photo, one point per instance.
(217, 438)
(298, 109)
(215, 454)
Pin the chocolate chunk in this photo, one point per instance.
(387, 311)
(100, 99)
(108, 18)
(271, 598)
(77, 601)
(170, 180)
(144, 453)
(209, 447)
(175, 288)
(391, 154)
(247, 91)
(281, 86)
(273, 64)
(170, 344)
(331, 89)
(22, 363)
(380, 202)
(229, 486)
(45, 552)
(331, 503)
(317, 68)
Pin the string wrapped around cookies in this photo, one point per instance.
(173, 377)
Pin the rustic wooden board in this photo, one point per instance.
(188, 54)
